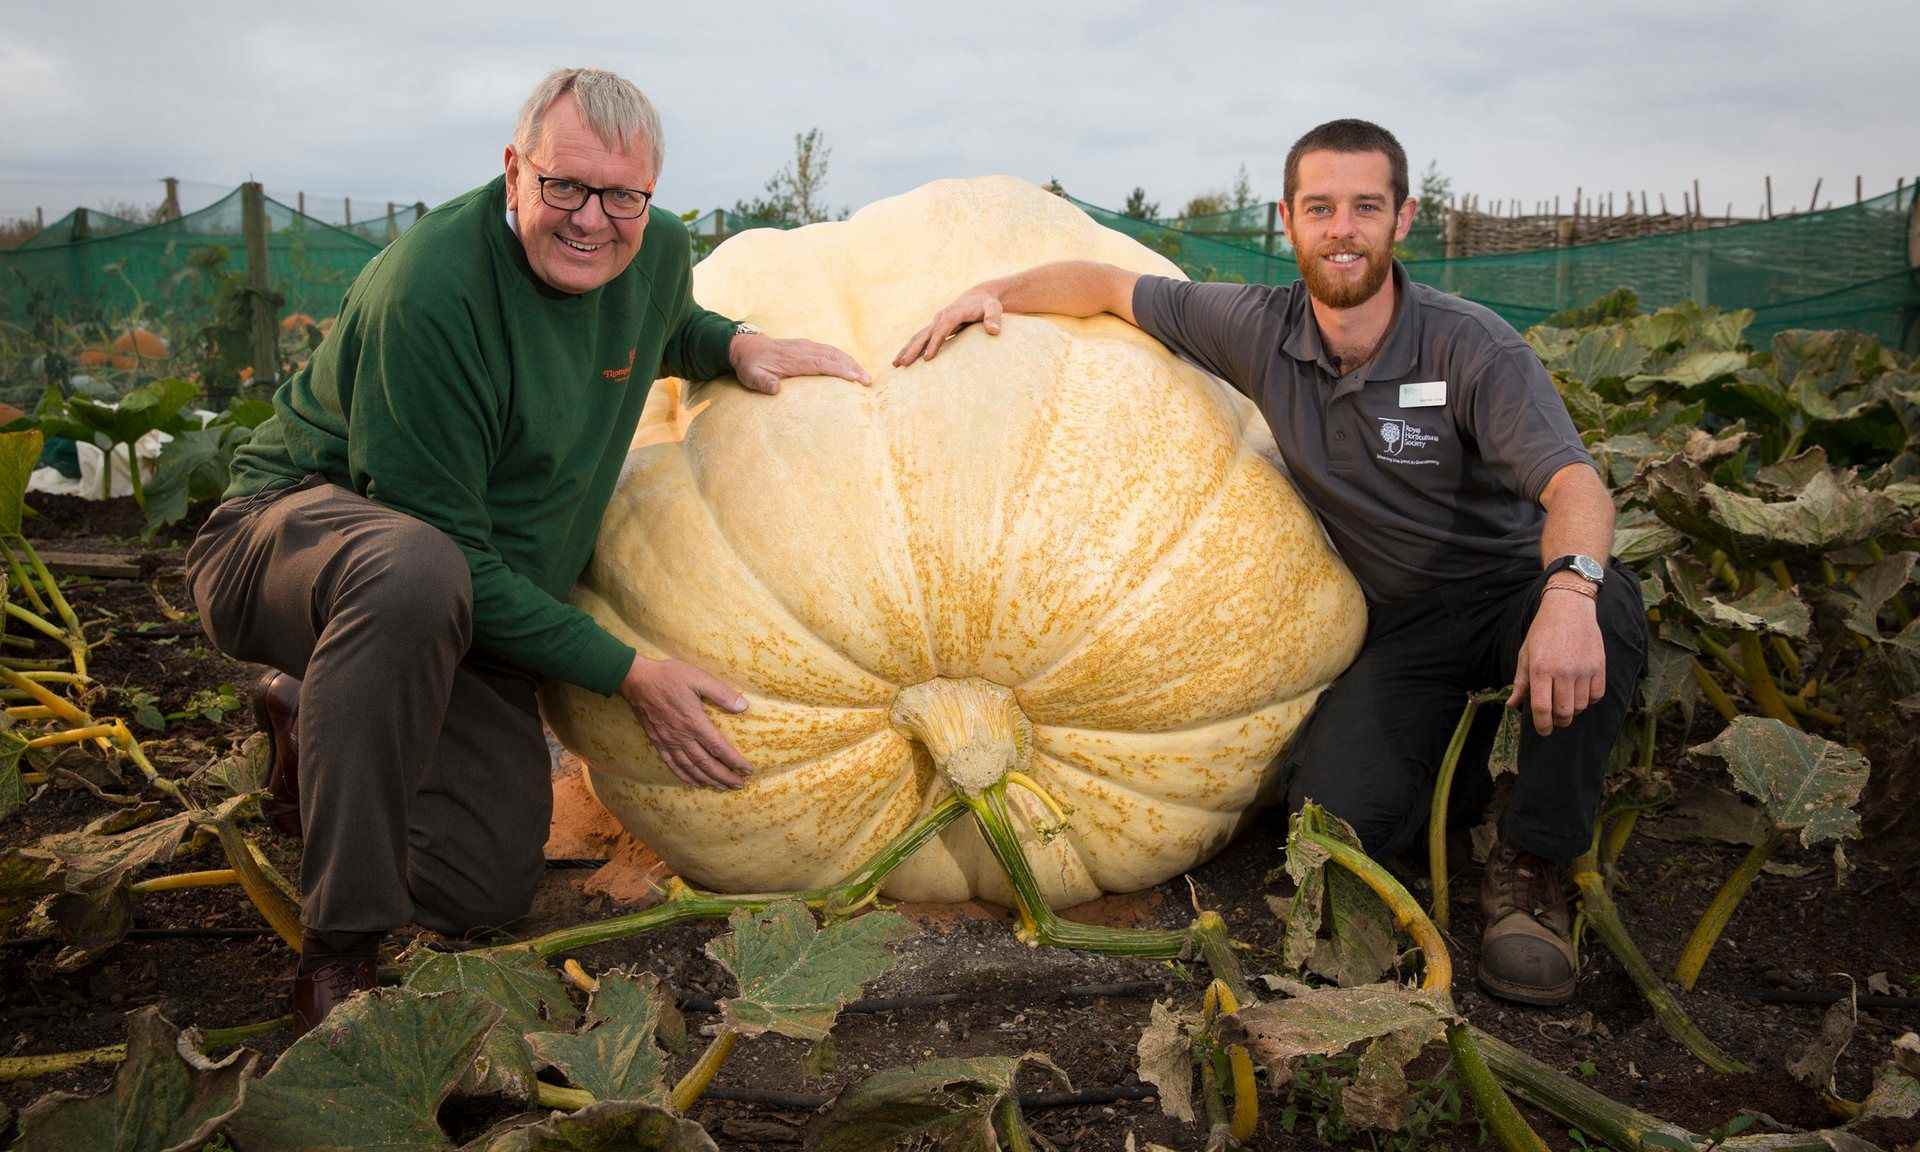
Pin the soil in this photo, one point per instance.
(1791, 933)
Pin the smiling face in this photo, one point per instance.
(576, 251)
(1343, 224)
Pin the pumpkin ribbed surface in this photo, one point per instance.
(1087, 531)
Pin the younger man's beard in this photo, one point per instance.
(1342, 293)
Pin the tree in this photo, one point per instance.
(1207, 204)
(1243, 194)
(794, 194)
(1434, 191)
(1139, 207)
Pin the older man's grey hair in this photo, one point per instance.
(615, 110)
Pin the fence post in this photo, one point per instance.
(349, 203)
(266, 351)
(170, 206)
(393, 226)
(1452, 233)
(1562, 262)
(1273, 209)
(39, 218)
(82, 224)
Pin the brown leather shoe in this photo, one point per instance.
(1526, 948)
(276, 709)
(323, 982)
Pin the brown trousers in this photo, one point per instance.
(424, 785)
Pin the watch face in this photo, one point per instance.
(1589, 567)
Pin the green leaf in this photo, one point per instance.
(1783, 478)
(247, 412)
(1805, 783)
(166, 1097)
(19, 452)
(192, 466)
(244, 771)
(25, 877)
(1307, 867)
(373, 1074)
(1830, 511)
(1874, 587)
(1603, 356)
(1669, 679)
(1359, 947)
(613, 1056)
(1164, 1057)
(1378, 1096)
(1327, 1021)
(607, 1126)
(794, 978)
(1639, 536)
(1503, 757)
(1767, 608)
(945, 1104)
(1691, 370)
(149, 408)
(530, 996)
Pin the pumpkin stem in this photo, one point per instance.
(973, 728)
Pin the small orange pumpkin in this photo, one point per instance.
(141, 344)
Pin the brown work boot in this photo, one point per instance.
(1526, 948)
(331, 972)
(276, 709)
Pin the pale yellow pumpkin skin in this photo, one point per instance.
(1065, 509)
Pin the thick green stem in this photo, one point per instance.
(566, 1099)
(25, 585)
(1509, 1127)
(28, 1067)
(1012, 1125)
(1619, 831)
(1716, 695)
(1605, 918)
(1605, 1121)
(1760, 681)
(694, 1084)
(1209, 933)
(1714, 920)
(1039, 923)
(35, 621)
(76, 636)
(180, 881)
(684, 904)
(1437, 811)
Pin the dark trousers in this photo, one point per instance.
(425, 791)
(1370, 751)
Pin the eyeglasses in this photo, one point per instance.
(571, 196)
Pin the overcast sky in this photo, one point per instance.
(414, 100)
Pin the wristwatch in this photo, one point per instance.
(742, 328)
(1585, 567)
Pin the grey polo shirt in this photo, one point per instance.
(1426, 465)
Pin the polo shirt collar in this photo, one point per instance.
(1396, 357)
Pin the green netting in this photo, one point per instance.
(1248, 228)
(1847, 267)
(161, 270)
(62, 231)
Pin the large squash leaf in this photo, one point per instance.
(945, 1104)
(1875, 586)
(529, 994)
(19, 452)
(1896, 1087)
(13, 791)
(1326, 1021)
(1164, 1056)
(1602, 356)
(1765, 608)
(1831, 510)
(373, 1074)
(607, 1126)
(1806, 784)
(166, 1097)
(613, 1056)
(794, 978)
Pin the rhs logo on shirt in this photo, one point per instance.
(1404, 440)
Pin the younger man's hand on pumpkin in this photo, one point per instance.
(667, 696)
(761, 362)
(980, 305)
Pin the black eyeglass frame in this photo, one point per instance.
(589, 192)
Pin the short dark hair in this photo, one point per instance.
(1349, 136)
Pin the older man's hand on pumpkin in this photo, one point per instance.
(667, 697)
(761, 362)
(980, 305)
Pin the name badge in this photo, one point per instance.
(1429, 394)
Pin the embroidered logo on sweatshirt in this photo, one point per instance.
(619, 375)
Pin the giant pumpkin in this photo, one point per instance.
(1060, 551)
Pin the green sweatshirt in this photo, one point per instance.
(459, 388)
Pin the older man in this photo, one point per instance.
(1432, 444)
(399, 539)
